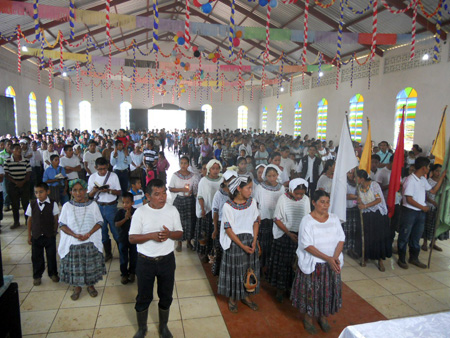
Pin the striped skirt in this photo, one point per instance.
(377, 236)
(186, 207)
(430, 225)
(203, 231)
(281, 273)
(233, 268)
(265, 238)
(319, 293)
(352, 230)
(218, 252)
(83, 265)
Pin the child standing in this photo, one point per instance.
(238, 238)
(267, 195)
(162, 167)
(127, 251)
(42, 224)
(219, 200)
(138, 195)
(55, 176)
(150, 174)
(207, 187)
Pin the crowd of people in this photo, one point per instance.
(255, 205)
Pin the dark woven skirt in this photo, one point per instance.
(217, 252)
(281, 273)
(377, 236)
(203, 231)
(83, 265)
(352, 230)
(55, 193)
(430, 225)
(319, 293)
(186, 207)
(233, 268)
(265, 238)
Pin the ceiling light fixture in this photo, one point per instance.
(24, 49)
(281, 89)
(425, 57)
(320, 74)
(64, 74)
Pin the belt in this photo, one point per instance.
(154, 259)
(110, 203)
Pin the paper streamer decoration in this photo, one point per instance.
(413, 31)
(72, 19)
(19, 50)
(437, 45)
(155, 26)
(187, 34)
(231, 32)
(36, 18)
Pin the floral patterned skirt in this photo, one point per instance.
(319, 293)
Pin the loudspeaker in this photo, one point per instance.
(138, 119)
(195, 119)
(7, 125)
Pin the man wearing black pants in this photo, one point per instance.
(154, 228)
(310, 168)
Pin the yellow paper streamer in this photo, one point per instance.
(99, 19)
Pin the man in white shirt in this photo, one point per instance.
(154, 228)
(310, 168)
(246, 147)
(47, 153)
(414, 212)
(287, 163)
(90, 157)
(106, 198)
(70, 163)
(36, 164)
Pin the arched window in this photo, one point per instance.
(355, 118)
(279, 118)
(125, 115)
(264, 119)
(48, 112)
(298, 119)
(208, 116)
(242, 117)
(10, 92)
(85, 116)
(60, 114)
(407, 97)
(322, 110)
(33, 112)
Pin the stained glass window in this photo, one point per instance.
(125, 115)
(407, 97)
(33, 112)
(60, 114)
(10, 92)
(264, 119)
(85, 116)
(242, 117)
(279, 118)
(298, 119)
(48, 112)
(322, 110)
(208, 116)
(355, 118)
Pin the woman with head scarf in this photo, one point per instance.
(291, 208)
(80, 246)
(204, 228)
(238, 238)
(266, 195)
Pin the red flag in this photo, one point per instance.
(397, 165)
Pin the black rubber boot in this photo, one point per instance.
(142, 324)
(107, 248)
(414, 259)
(163, 319)
(402, 260)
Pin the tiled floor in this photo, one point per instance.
(48, 311)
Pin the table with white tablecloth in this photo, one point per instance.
(435, 326)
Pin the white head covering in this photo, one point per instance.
(210, 164)
(274, 167)
(260, 165)
(296, 182)
(229, 174)
(236, 182)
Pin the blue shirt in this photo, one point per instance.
(384, 157)
(138, 198)
(218, 154)
(51, 172)
(135, 137)
(121, 162)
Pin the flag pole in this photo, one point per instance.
(363, 246)
(436, 224)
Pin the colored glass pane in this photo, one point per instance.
(298, 119)
(322, 111)
(406, 98)
(279, 118)
(355, 118)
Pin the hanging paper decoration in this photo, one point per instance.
(50, 70)
(413, 31)
(187, 34)
(61, 52)
(19, 50)
(436, 11)
(155, 26)
(231, 32)
(305, 37)
(318, 3)
(72, 19)
(78, 77)
(108, 33)
(437, 37)
(36, 19)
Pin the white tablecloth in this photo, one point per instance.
(433, 326)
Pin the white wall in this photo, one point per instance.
(431, 83)
(105, 110)
(25, 83)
